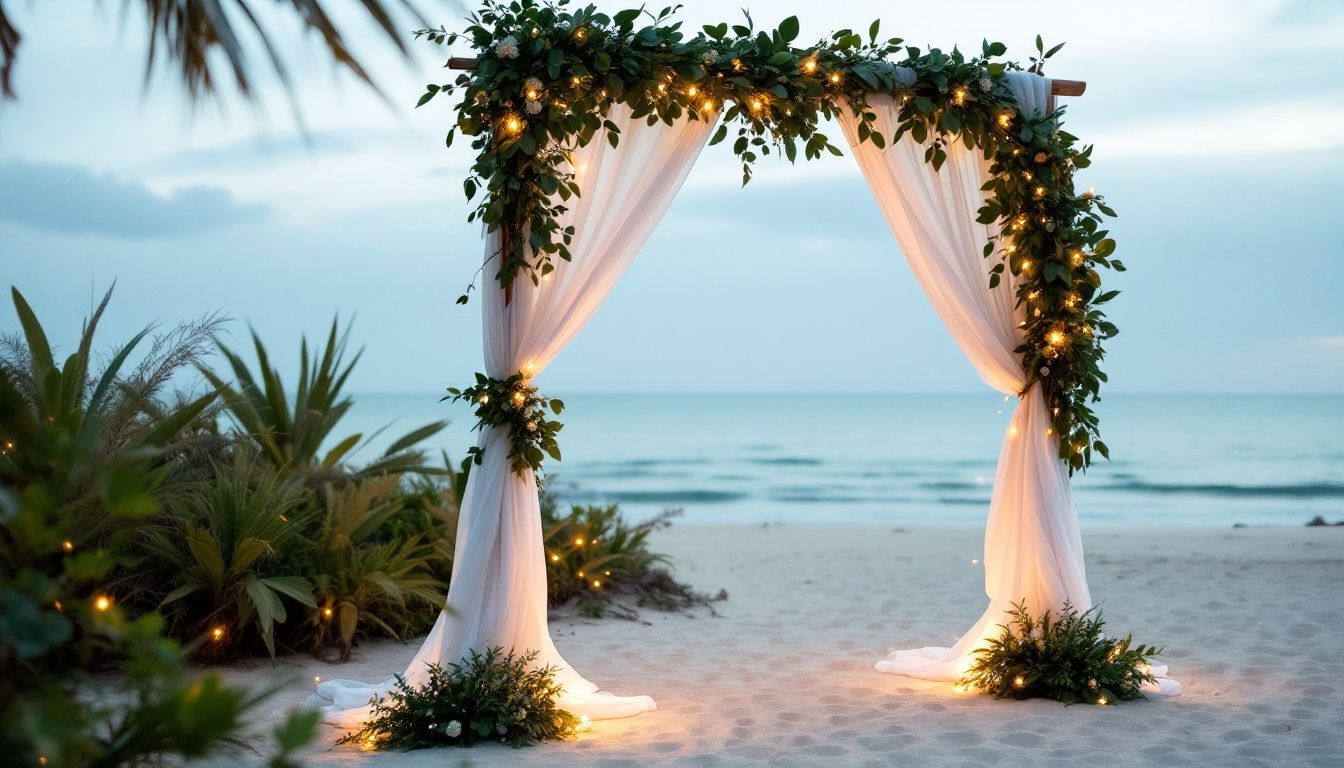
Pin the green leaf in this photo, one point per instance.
(788, 29)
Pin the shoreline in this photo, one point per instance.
(1251, 619)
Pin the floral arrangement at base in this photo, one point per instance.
(487, 696)
(1064, 656)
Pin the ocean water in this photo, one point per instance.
(907, 460)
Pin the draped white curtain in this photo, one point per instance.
(497, 596)
(1033, 550)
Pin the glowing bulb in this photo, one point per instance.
(1020, 682)
(1005, 119)
(580, 33)
(1056, 337)
(102, 602)
(578, 542)
(756, 105)
(708, 105)
(662, 87)
(835, 77)
(1049, 431)
(810, 66)
(584, 723)
(532, 94)
(737, 65)
(57, 605)
(692, 91)
(608, 573)
(317, 678)
(574, 81)
(1012, 432)
(483, 399)
(68, 545)
(597, 584)
(1039, 191)
(555, 558)
(217, 634)
(1026, 265)
(327, 612)
(1101, 701)
(519, 398)
(959, 96)
(1027, 175)
(528, 368)
(513, 124)
(580, 574)
(1076, 258)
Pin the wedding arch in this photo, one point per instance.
(585, 127)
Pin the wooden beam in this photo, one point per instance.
(1057, 87)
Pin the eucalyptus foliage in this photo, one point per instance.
(488, 696)
(1065, 656)
(515, 404)
(547, 75)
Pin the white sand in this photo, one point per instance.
(1252, 621)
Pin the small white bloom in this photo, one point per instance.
(501, 729)
(710, 57)
(507, 47)
(1045, 370)
(521, 715)
(453, 729)
(532, 107)
(1091, 683)
(531, 426)
(986, 84)
(532, 84)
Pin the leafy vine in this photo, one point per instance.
(546, 76)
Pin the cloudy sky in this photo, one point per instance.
(1220, 139)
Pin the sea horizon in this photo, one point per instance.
(1180, 460)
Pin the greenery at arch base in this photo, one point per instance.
(547, 75)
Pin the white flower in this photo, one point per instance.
(531, 426)
(1041, 157)
(1091, 683)
(501, 729)
(453, 729)
(986, 84)
(710, 57)
(507, 47)
(532, 107)
(533, 84)
(1045, 370)
(521, 715)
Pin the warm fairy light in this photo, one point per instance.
(533, 94)
(597, 584)
(317, 678)
(1101, 701)
(528, 368)
(1071, 300)
(1056, 337)
(708, 105)
(580, 33)
(1005, 119)
(580, 574)
(1090, 193)
(1011, 248)
(606, 573)
(584, 723)
(483, 399)
(555, 558)
(326, 612)
(217, 634)
(1020, 682)
(692, 91)
(959, 96)
(662, 87)
(835, 77)
(1039, 191)
(1026, 265)
(578, 541)
(102, 602)
(757, 104)
(519, 398)
(1033, 295)
(1028, 175)
(41, 759)
(975, 561)
(737, 65)
(810, 66)
(68, 545)
(57, 605)
(1076, 258)
(513, 124)
(574, 81)
(1012, 432)
(1049, 431)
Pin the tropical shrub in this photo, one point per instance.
(1065, 656)
(291, 436)
(488, 695)
(59, 623)
(226, 551)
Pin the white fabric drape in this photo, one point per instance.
(497, 595)
(1033, 549)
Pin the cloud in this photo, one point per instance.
(63, 198)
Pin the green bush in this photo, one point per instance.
(1066, 657)
(490, 695)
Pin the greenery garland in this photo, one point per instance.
(515, 404)
(547, 75)
(1066, 657)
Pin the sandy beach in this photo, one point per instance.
(1252, 621)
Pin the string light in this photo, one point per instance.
(519, 398)
(1076, 258)
(1056, 337)
(326, 612)
(810, 66)
(1101, 701)
(737, 65)
(575, 81)
(1028, 175)
(692, 91)
(580, 33)
(1019, 682)
(317, 678)
(584, 723)
(597, 584)
(57, 605)
(1012, 432)
(757, 104)
(513, 123)
(578, 541)
(102, 602)
(835, 77)
(555, 558)
(662, 87)
(1026, 265)
(483, 399)
(528, 369)
(1039, 192)
(217, 634)
(1049, 431)
(68, 545)
(1005, 120)
(708, 105)
(959, 96)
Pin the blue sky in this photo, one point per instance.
(1220, 140)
